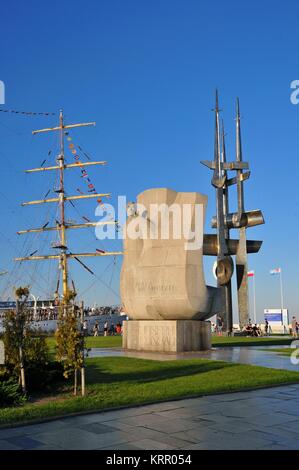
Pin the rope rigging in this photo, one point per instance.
(34, 243)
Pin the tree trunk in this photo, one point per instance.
(83, 381)
(83, 365)
(75, 382)
(21, 356)
(22, 370)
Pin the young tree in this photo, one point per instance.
(23, 348)
(70, 340)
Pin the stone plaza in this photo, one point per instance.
(258, 420)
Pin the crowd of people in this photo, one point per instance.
(108, 330)
(51, 313)
(251, 329)
(108, 310)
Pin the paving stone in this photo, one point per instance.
(82, 439)
(282, 433)
(202, 446)
(275, 447)
(5, 445)
(96, 428)
(291, 426)
(232, 426)
(171, 425)
(125, 446)
(272, 418)
(149, 444)
(228, 442)
(24, 442)
(262, 419)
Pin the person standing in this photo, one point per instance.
(112, 330)
(219, 326)
(85, 328)
(294, 323)
(266, 327)
(96, 329)
(105, 328)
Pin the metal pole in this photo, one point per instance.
(254, 300)
(61, 200)
(83, 359)
(228, 286)
(82, 312)
(281, 291)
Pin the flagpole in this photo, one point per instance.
(254, 300)
(281, 290)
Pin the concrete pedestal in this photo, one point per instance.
(167, 335)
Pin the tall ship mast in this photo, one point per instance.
(62, 224)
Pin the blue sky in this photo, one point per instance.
(146, 72)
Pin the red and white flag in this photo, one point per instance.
(250, 273)
(275, 271)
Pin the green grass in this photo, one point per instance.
(250, 341)
(120, 381)
(282, 351)
(91, 342)
(115, 341)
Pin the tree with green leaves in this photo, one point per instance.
(70, 340)
(23, 347)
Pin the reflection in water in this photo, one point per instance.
(243, 355)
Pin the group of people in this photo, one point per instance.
(107, 310)
(218, 326)
(108, 330)
(254, 329)
(251, 329)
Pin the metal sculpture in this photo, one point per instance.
(224, 246)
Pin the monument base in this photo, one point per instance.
(170, 336)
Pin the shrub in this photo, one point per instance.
(42, 378)
(34, 348)
(11, 393)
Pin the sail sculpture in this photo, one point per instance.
(224, 221)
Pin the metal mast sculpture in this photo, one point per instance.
(224, 221)
(241, 256)
(228, 286)
(224, 269)
(62, 226)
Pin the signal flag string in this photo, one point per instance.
(27, 113)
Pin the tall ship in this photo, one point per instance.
(70, 157)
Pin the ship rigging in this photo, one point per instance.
(63, 225)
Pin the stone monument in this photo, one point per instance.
(163, 287)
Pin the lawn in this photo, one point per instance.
(91, 342)
(122, 381)
(115, 341)
(283, 351)
(250, 341)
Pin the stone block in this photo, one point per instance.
(170, 336)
